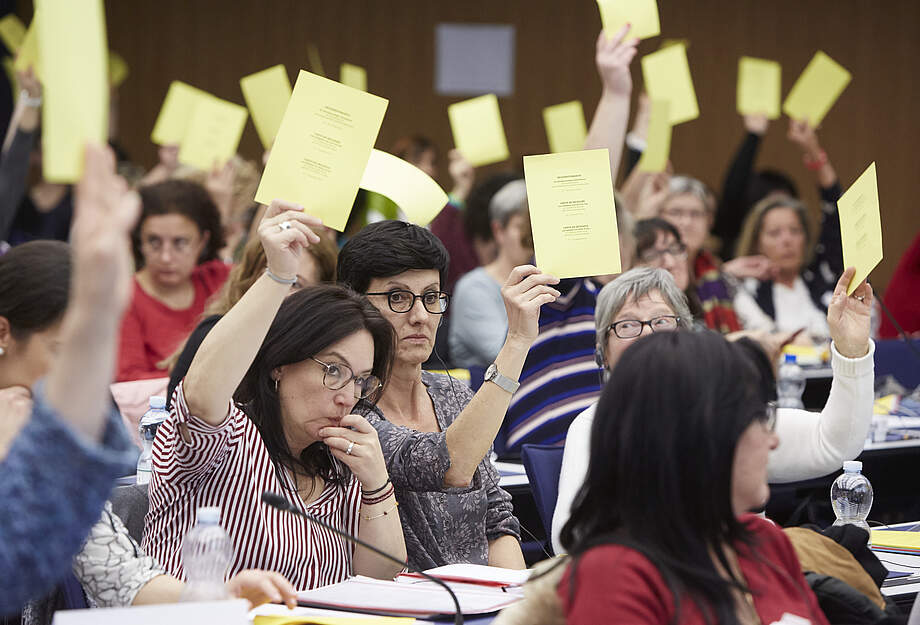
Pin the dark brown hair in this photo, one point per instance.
(34, 286)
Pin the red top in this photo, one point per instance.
(448, 226)
(151, 331)
(616, 584)
(901, 295)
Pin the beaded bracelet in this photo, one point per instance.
(382, 514)
(376, 490)
(279, 279)
(370, 501)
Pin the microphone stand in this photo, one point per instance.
(280, 503)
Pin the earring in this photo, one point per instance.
(2, 351)
(276, 385)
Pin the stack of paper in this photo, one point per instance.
(895, 541)
(474, 574)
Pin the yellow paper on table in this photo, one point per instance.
(895, 538)
(885, 405)
(478, 131)
(213, 133)
(759, 87)
(322, 148)
(565, 126)
(118, 69)
(316, 63)
(29, 55)
(75, 84)
(330, 620)
(641, 14)
(267, 94)
(667, 77)
(177, 110)
(816, 90)
(418, 196)
(12, 32)
(354, 76)
(572, 213)
(658, 144)
(861, 226)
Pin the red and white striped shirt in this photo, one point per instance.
(228, 466)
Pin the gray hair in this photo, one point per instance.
(679, 185)
(633, 284)
(510, 200)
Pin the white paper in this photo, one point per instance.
(474, 59)
(223, 612)
(479, 573)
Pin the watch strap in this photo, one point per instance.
(503, 381)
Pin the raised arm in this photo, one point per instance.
(608, 127)
(803, 135)
(228, 350)
(17, 149)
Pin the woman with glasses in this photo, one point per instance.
(435, 433)
(176, 245)
(253, 414)
(644, 301)
(658, 244)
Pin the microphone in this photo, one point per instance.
(280, 503)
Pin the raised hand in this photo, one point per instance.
(524, 292)
(756, 124)
(219, 185)
(259, 587)
(758, 267)
(285, 231)
(462, 173)
(613, 57)
(803, 135)
(354, 441)
(849, 316)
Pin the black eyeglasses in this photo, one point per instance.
(768, 418)
(675, 250)
(338, 375)
(631, 328)
(402, 301)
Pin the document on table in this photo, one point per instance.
(641, 14)
(478, 131)
(223, 612)
(267, 94)
(658, 144)
(176, 112)
(322, 148)
(759, 87)
(861, 226)
(418, 196)
(474, 574)
(354, 76)
(213, 133)
(572, 213)
(354, 619)
(667, 77)
(565, 126)
(75, 111)
(817, 89)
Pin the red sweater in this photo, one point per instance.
(617, 584)
(151, 331)
(902, 297)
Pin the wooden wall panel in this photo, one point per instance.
(212, 43)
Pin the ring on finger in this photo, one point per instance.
(861, 298)
(351, 445)
(284, 225)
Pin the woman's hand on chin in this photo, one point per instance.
(356, 435)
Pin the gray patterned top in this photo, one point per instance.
(441, 525)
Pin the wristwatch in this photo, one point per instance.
(506, 383)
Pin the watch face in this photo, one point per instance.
(490, 372)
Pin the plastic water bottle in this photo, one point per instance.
(151, 420)
(206, 554)
(851, 496)
(790, 384)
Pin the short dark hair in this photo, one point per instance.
(671, 416)
(34, 286)
(476, 219)
(412, 147)
(186, 198)
(388, 248)
(767, 181)
(308, 322)
(646, 232)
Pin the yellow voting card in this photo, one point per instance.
(75, 84)
(667, 43)
(895, 539)
(316, 63)
(816, 90)
(758, 87)
(478, 131)
(354, 76)
(282, 619)
(418, 196)
(213, 133)
(667, 77)
(658, 144)
(12, 32)
(267, 94)
(641, 14)
(29, 54)
(118, 69)
(177, 110)
(861, 226)
(322, 148)
(565, 126)
(572, 213)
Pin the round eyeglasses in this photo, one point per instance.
(338, 375)
(654, 255)
(631, 328)
(402, 301)
(768, 418)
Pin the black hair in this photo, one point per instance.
(308, 322)
(34, 286)
(646, 234)
(388, 248)
(661, 457)
(412, 147)
(767, 181)
(476, 219)
(186, 198)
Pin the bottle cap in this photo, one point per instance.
(158, 402)
(209, 515)
(789, 358)
(852, 466)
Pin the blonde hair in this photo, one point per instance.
(749, 241)
(245, 183)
